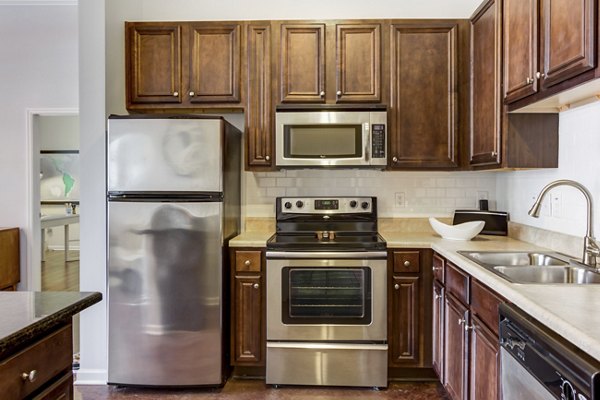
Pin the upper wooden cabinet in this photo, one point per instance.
(546, 43)
(308, 74)
(423, 112)
(174, 65)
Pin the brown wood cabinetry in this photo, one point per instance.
(424, 108)
(9, 258)
(548, 45)
(409, 311)
(465, 335)
(42, 370)
(499, 139)
(182, 65)
(308, 73)
(248, 339)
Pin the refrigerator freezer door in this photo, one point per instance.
(165, 155)
(165, 294)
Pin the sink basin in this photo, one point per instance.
(534, 267)
(550, 274)
(513, 258)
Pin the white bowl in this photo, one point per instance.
(464, 231)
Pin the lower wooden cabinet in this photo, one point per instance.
(62, 389)
(466, 349)
(248, 329)
(404, 342)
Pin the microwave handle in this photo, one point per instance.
(367, 140)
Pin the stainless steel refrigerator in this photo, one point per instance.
(173, 191)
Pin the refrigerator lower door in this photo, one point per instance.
(165, 293)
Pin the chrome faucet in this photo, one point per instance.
(590, 247)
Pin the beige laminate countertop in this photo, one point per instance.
(573, 311)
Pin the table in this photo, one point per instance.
(48, 221)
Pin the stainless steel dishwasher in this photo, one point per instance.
(538, 364)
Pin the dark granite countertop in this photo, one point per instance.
(25, 316)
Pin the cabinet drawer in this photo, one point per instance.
(457, 282)
(438, 267)
(48, 358)
(406, 261)
(484, 304)
(62, 389)
(247, 261)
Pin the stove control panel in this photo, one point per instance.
(325, 205)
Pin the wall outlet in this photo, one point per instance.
(482, 195)
(399, 200)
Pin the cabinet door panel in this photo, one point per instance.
(567, 39)
(405, 321)
(455, 348)
(153, 63)
(486, 102)
(484, 363)
(520, 48)
(358, 63)
(302, 63)
(259, 117)
(438, 330)
(247, 329)
(424, 96)
(215, 63)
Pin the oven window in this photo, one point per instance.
(326, 295)
(322, 141)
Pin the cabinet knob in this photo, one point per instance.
(192, 94)
(175, 94)
(436, 269)
(339, 93)
(396, 286)
(30, 376)
(539, 75)
(437, 296)
(407, 263)
(255, 286)
(461, 321)
(494, 153)
(322, 94)
(247, 263)
(469, 327)
(267, 158)
(395, 159)
(528, 80)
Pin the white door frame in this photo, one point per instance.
(34, 256)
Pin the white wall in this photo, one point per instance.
(38, 71)
(579, 160)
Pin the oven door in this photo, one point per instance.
(335, 296)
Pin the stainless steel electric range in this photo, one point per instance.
(326, 294)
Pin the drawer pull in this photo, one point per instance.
(31, 376)
(407, 263)
(255, 286)
(461, 321)
(396, 286)
(247, 263)
(437, 296)
(436, 269)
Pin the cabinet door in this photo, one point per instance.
(484, 366)
(358, 63)
(259, 118)
(456, 316)
(153, 63)
(520, 48)
(62, 389)
(248, 338)
(302, 63)
(404, 339)
(214, 70)
(423, 106)
(486, 103)
(438, 330)
(567, 39)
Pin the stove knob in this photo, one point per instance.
(364, 205)
(353, 203)
(288, 205)
(299, 204)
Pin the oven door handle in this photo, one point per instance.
(327, 346)
(327, 254)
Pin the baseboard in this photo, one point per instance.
(91, 377)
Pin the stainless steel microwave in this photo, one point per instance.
(331, 138)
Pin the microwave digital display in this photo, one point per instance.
(323, 141)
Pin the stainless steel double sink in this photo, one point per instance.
(534, 267)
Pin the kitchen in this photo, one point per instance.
(425, 193)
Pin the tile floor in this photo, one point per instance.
(256, 389)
